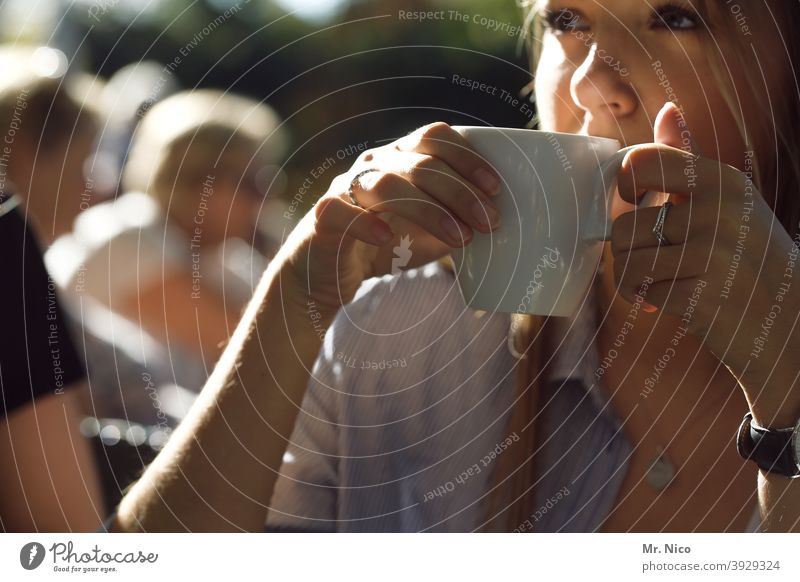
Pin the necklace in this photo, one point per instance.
(660, 470)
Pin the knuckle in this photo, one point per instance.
(634, 163)
(321, 206)
(366, 156)
(625, 180)
(435, 130)
(340, 183)
(635, 157)
(427, 166)
(382, 182)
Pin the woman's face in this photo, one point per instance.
(608, 66)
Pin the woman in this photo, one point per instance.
(446, 442)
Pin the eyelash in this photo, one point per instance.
(674, 9)
(558, 21)
(554, 19)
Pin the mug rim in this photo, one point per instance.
(543, 131)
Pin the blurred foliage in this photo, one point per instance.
(366, 76)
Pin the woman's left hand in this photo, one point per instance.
(729, 268)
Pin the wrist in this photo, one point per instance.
(774, 399)
(776, 406)
(298, 313)
(773, 418)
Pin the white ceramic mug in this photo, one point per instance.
(555, 202)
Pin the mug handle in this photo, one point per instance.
(599, 223)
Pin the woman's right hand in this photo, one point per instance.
(429, 186)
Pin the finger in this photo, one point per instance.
(670, 129)
(336, 216)
(666, 169)
(682, 295)
(442, 141)
(388, 192)
(634, 229)
(666, 263)
(440, 181)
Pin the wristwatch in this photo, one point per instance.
(775, 450)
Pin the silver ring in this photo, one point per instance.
(350, 193)
(661, 218)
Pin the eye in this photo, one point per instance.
(563, 20)
(675, 17)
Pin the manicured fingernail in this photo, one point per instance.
(648, 308)
(451, 228)
(488, 182)
(482, 212)
(383, 234)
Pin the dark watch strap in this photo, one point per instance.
(770, 449)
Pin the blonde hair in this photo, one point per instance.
(201, 123)
(511, 496)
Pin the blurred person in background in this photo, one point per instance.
(124, 99)
(174, 255)
(47, 137)
(49, 121)
(48, 477)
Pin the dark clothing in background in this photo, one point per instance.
(37, 356)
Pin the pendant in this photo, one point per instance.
(661, 471)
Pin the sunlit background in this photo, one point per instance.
(349, 64)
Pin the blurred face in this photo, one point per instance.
(52, 179)
(608, 66)
(221, 195)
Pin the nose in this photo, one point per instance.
(599, 87)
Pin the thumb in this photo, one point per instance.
(671, 129)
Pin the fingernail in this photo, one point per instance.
(487, 181)
(648, 308)
(451, 228)
(383, 234)
(481, 213)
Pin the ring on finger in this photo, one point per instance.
(354, 182)
(661, 219)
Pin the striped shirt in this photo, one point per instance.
(407, 411)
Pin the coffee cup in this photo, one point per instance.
(555, 202)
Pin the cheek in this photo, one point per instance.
(554, 103)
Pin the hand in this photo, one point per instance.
(727, 272)
(429, 186)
